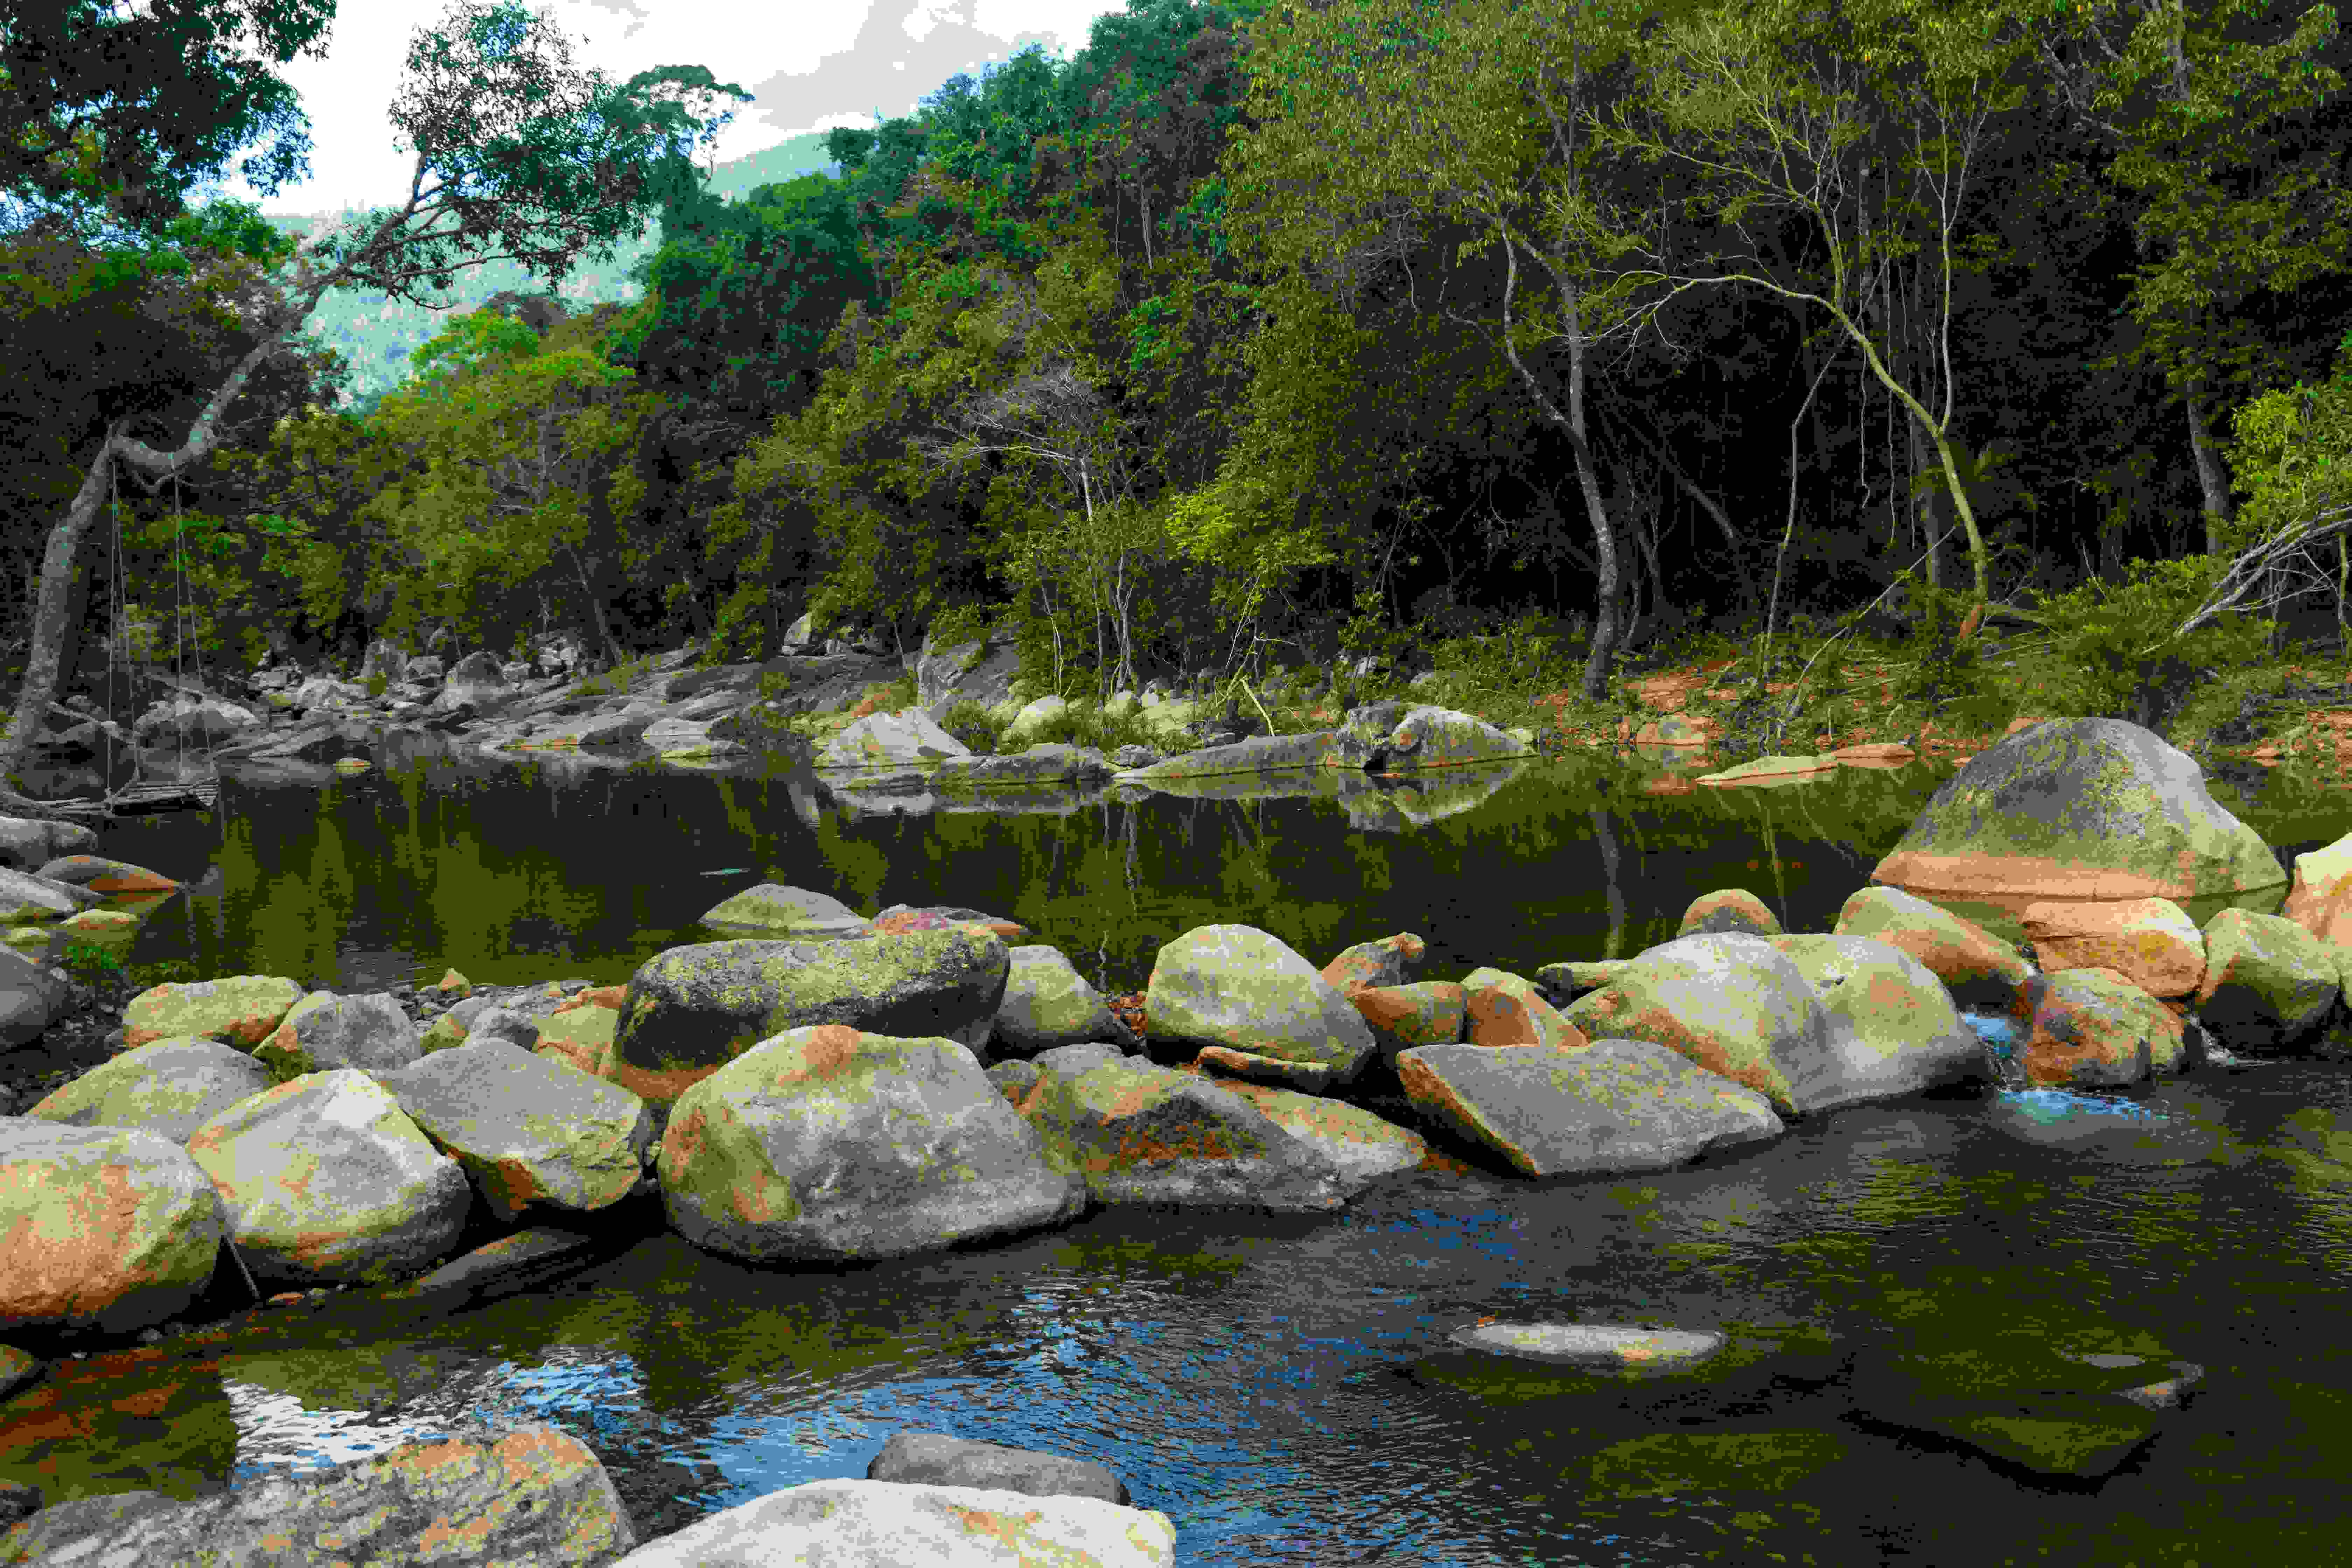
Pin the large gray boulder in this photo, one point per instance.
(532, 1133)
(1616, 1105)
(2268, 982)
(1894, 1028)
(535, 1494)
(1398, 738)
(170, 1087)
(1141, 1133)
(691, 1010)
(772, 909)
(888, 1524)
(1242, 991)
(975, 671)
(475, 679)
(908, 738)
(26, 842)
(328, 1181)
(943, 1459)
(324, 1030)
(1047, 1002)
(1733, 1005)
(31, 997)
(188, 721)
(828, 1144)
(146, 1263)
(2079, 808)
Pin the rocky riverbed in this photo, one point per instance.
(277, 1142)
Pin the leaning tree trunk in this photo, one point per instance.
(52, 618)
(54, 599)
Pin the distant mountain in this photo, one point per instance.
(377, 333)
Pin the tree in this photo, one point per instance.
(130, 111)
(2240, 194)
(1773, 110)
(527, 155)
(1472, 112)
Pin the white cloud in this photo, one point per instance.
(810, 65)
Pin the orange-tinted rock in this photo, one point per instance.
(1874, 755)
(2151, 942)
(1390, 961)
(1429, 1013)
(2320, 900)
(2092, 1029)
(1505, 1010)
(1978, 968)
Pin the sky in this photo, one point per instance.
(811, 65)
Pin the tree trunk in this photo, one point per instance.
(52, 610)
(2209, 478)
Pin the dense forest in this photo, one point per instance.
(1272, 330)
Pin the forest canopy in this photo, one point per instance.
(1257, 328)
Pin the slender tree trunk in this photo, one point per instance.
(52, 607)
(2209, 478)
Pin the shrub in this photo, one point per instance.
(2116, 651)
(975, 726)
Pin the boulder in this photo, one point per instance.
(2268, 982)
(1140, 1134)
(2151, 942)
(1893, 1025)
(885, 1524)
(1392, 961)
(170, 1087)
(382, 657)
(1504, 1009)
(1426, 1013)
(1729, 910)
(1033, 717)
(1251, 754)
(242, 1010)
(186, 720)
(1614, 1105)
(532, 1134)
(326, 691)
(112, 1228)
(2319, 900)
(1395, 738)
(942, 1460)
(1237, 988)
(535, 1494)
(1360, 1144)
(31, 997)
(476, 681)
(772, 909)
(692, 1010)
(26, 842)
(370, 1032)
(2092, 1028)
(828, 1144)
(900, 918)
(1732, 1003)
(1047, 1002)
(105, 877)
(974, 672)
(1047, 762)
(908, 738)
(28, 899)
(2079, 808)
(425, 667)
(1978, 968)
(328, 1181)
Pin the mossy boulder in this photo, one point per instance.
(691, 1010)
(2080, 808)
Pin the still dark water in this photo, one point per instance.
(1244, 1373)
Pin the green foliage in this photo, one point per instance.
(616, 681)
(1944, 666)
(91, 961)
(2117, 653)
(975, 725)
(377, 684)
(2292, 456)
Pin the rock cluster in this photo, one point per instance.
(822, 1087)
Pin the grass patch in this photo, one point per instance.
(613, 682)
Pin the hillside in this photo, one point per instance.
(377, 333)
